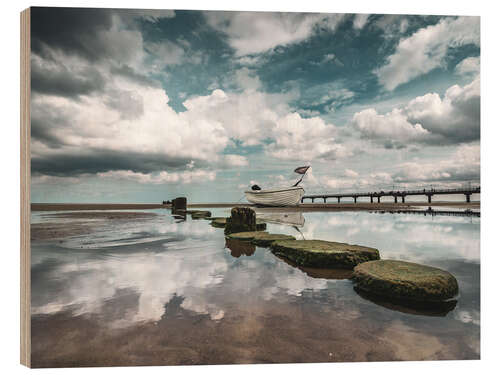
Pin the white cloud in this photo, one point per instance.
(463, 164)
(429, 118)
(360, 21)
(165, 53)
(350, 173)
(455, 117)
(254, 32)
(469, 65)
(426, 50)
(92, 124)
(163, 177)
(232, 160)
(303, 139)
(247, 79)
(391, 126)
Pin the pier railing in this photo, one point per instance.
(397, 193)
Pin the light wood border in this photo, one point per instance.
(25, 188)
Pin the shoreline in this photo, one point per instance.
(301, 207)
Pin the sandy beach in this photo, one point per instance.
(301, 207)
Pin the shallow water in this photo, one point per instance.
(159, 290)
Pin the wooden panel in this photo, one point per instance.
(25, 190)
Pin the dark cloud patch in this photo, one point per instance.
(95, 161)
(44, 135)
(390, 145)
(72, 30)
(56, 79)
(132, 75)
(44, 126)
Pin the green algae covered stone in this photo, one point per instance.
(405, 280)
(196, 214)
(263, 239)
(219, 222)
(324, 254)
(242, 220)
(244, 236)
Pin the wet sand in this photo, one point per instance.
(302, 207)
(273, 333)
(278, 330)
(79, 223)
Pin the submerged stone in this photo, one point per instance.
(179, 204)
(427, 308)
(199, 214)
(263, 239)
(405, 281)
(324, 254)
(219, 222)
(320, 273)
(244, 236)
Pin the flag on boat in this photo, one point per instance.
(301, 170)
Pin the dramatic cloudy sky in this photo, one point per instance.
(141, 106)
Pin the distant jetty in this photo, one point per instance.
(304, 207)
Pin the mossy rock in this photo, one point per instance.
(244, 236)
(259, 238)
(195, 214)
(260, 226)
(242, 220)
(179, 204)
(320, 273)
(324, 254)
(220, 222)
(426, 308)
(405, 281)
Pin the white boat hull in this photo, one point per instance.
(276, 197)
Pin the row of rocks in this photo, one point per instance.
(402, 280)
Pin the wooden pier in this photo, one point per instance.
(429, 193)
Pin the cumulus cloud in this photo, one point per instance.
(469, 65)
(130, 126)
(247, 79)
(232, 160)
(454, 118)
(462, 165)
(298, 138)
(254, 32)
(360, 21)
(426, 50)
(162, 177)
(393, 126)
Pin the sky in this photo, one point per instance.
(148, 105)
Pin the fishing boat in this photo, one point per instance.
(286, 196)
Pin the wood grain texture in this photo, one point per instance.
(25, 188)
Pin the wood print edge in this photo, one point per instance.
(25, 170)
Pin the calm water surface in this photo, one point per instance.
(163, 291)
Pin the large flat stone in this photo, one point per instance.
(263, 239)
(324, 254)
(405, 280)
